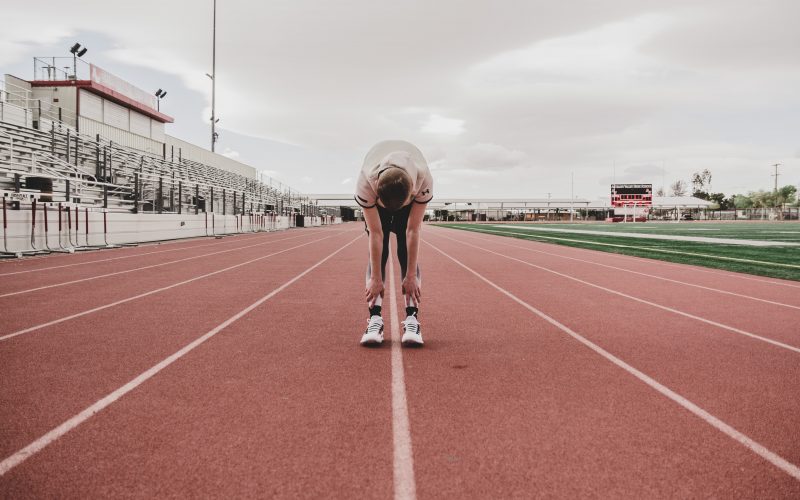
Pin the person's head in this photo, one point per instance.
(394, 188)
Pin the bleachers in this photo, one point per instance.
(95, 171)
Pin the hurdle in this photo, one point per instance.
(34, 250)
(105, 234)
(76, 245)
(60, 248)
(6, 253)
(19, 197)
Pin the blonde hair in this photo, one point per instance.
(394, 185)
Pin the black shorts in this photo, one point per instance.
(396, 222)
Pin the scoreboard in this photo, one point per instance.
(631, 195)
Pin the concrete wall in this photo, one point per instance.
(128, 227)
(14, 101)
(124, 227)
(52, 98)
(196, 153)
(14, 114)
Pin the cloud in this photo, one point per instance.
(485, 158)
(437, 124)
(493, 156)
(234, 155)
(520, 89)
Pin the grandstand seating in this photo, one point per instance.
(94, 171)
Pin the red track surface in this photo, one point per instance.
(501, 402)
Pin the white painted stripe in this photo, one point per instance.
(637, 299)
(117, 273)
(403, 464)
(710, 289)
(759, 449)
(696, 267)
(660, 250)
(36, 446)
(151, 292)
(115, 258)
(663, 237)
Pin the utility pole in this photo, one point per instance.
(776, 174)
(548, 207)
(572, 197)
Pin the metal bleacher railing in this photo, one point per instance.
(96, 171)
(17, 104)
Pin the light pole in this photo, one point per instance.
(572, 197)
(77, 52)
(776, 174)
(213, 77)
(160, 94)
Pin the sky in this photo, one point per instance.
(504, 98)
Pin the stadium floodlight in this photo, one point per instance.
(77, 52)
(160, 94)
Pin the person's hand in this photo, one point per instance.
(373, 291)
(411, 288)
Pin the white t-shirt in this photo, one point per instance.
(399, 154)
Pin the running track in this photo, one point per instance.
(232, 368)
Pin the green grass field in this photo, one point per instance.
(775, 261)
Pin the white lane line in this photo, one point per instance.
(640, 300)
(20, 456)
(759, 449)
(696, 267)
(663, 237)
(660, 250)
(117, 273)
(116, 258)
(403, 463)
(717, 290)
(151, 292)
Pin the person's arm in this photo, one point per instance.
(410, 285)
(374, 286)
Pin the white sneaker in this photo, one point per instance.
(411, 332)
(374, 333)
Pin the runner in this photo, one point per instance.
(394, 188)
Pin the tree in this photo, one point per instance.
(786, 195)
(741, 201)
(660, 191)
(701, 181)
(678, 188)
(762, 199)
(720, 200)
(697, 182)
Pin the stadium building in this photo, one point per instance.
(86, 162)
